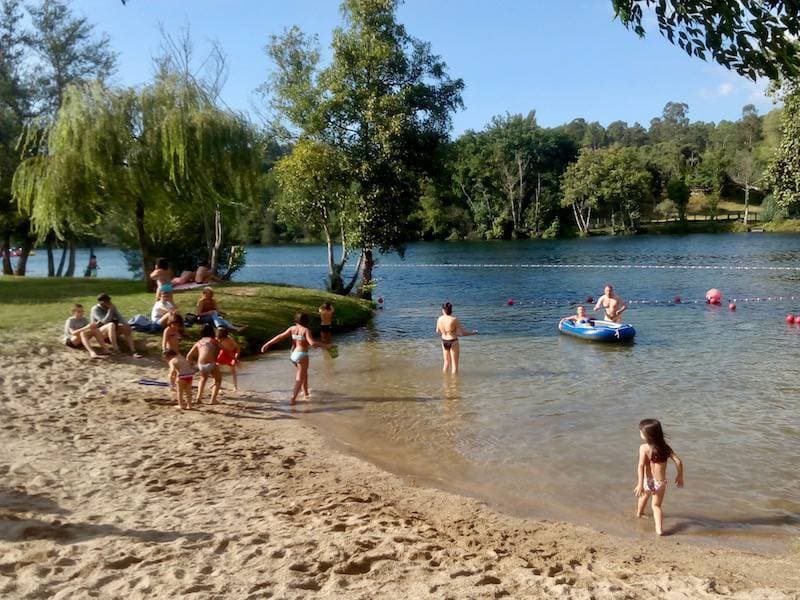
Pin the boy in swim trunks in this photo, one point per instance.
(205, 351)
(181, 373)
(326, 322)
(229, 352)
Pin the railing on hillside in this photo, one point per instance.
(752, 217)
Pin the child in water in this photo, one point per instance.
(652, 470)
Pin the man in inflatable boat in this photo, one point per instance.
(611, 304)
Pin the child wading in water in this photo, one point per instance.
(301, 344)
(652, 470)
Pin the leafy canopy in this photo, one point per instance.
(755, 38)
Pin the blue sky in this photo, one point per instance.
(563, 58)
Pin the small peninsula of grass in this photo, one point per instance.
(37, 307)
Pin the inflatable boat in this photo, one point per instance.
(596, 330)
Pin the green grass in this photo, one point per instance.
(37, 307)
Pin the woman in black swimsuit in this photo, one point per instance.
(449, 328)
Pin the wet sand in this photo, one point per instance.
(109, 491)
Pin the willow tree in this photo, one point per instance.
(384, 102)
(149, 166)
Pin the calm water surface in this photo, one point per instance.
(546, 426)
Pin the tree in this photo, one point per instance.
(581, 184)
(67, 52)
(15, 108)
(783, 172)
(624, 186)
(384, 103)
(678, 193)
(745, 168)
(150, 166)
(755, 38)
(315, 193)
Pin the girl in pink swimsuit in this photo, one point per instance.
(652, 470)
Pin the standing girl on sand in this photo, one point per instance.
(450, 329)
(301, 343)
(652, 470)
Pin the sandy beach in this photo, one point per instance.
(109, 491)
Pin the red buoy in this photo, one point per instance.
(790, 318)
(732, 306)
(511, 302)
(589, 299)
(677, 299)
(714, 296)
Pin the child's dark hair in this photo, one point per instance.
(326, 305)
(170, 353)
(77, 307)
(654, 436)
(207, 331)
(447, 308)
(222, 333)
(162, 263)
(175, 319)
(301, 318)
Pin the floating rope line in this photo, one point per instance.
(550, 302)
(532, 266)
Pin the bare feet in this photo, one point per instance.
(137, 355)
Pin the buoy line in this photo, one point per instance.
(530, 266)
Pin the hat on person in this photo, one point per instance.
(104, 298)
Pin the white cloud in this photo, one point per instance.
(725, 89)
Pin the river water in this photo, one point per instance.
(542, 425)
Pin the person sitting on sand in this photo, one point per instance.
(181, 373)
(651, 471)
(79, 332)
(326, 321)
(112, 324)
(205, 353)
(580, 317)
(204, 274)
(208, 312)
(612, 304)
(302, 342)
(173, 334)
(449, 328)
(162, 275)
(163, 309)
(229, 352)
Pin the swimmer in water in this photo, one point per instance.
(612, 304)
(449, 328)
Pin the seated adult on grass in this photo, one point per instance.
(112, 324)
(163, 309)
(208, 312)
(79, 332)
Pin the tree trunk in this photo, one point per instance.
(144, 246)
(22, 261)
(71, 262)
(51, 267)
(5, 254)
(367, 265)
(217, 240)
(349, 287)
(746, 203)
(61, 261)
(335, 283)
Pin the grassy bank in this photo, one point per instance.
(38, 307)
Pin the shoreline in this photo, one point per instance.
(108, 490)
